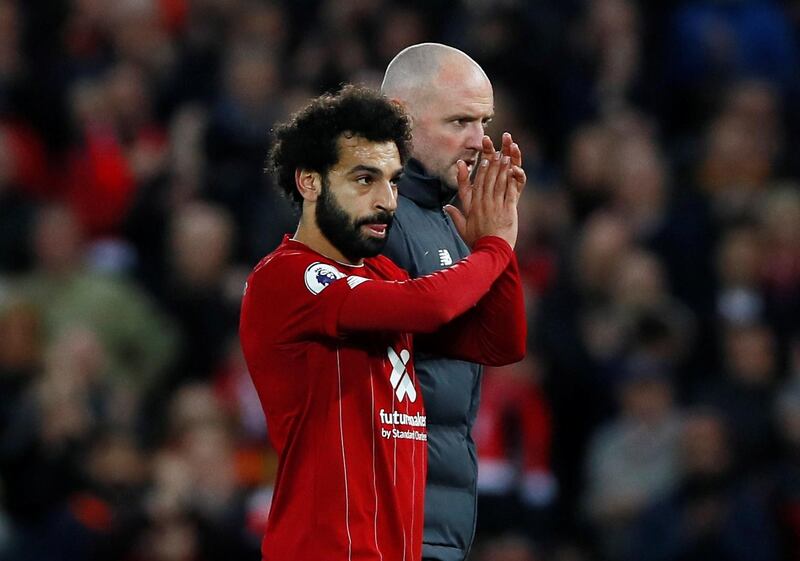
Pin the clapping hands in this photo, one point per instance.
(489, 199)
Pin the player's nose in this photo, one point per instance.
(474, 139)
(386, 198)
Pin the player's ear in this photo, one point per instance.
(308, 183)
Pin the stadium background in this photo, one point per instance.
(657, 415)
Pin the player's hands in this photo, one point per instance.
(511, 149)
(489, 201)
(508, 148)
(486, 155)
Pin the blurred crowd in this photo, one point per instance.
(657, 415)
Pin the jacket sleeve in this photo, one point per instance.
(493, 333)
(424, 304)
(397, 248)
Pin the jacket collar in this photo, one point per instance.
(425, 190)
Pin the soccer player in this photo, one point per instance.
(329, 329)
(450, 101)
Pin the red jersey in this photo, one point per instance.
(329, 349)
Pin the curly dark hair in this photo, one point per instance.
(309, 140)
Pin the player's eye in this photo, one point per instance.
(364, 180)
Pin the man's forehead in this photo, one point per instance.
(461, 71)
(357, 150)
(469, 92)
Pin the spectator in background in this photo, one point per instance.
(739, 258)
(200, 34)
(743, 394)
(632, 460)
(779, 221)
(196, 289)
(138, 35)
(587, 170)
(578, 338)
(121, 147)
(607, 58)
(199, 290)
(49, 428)
(546, 229)
(131, 102)
(656, 325)
(249, 102)
(713, 513)
(21, 352)
(743, 151)
(138, 340)
(516, 486)
(12, 61)
(179, 183)
(262, 23)
(586, 310)
(107, 507)
(16, 212)
(188, 504)
(639, 192)
(671, 224)
(205, 442)
(760, 106)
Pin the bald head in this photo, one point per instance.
(450, 100)
(417, 69)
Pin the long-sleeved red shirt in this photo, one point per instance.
(329, 347)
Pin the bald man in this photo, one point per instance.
(450, 101)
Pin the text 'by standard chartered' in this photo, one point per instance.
(397, 422)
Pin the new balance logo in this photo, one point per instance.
(444, 258)
(400, 380)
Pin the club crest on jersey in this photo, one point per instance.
(319, 275)
(400, 380)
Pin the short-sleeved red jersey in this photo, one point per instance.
(343, 408)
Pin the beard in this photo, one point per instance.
(345, 232)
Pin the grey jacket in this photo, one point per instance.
(423, 240)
